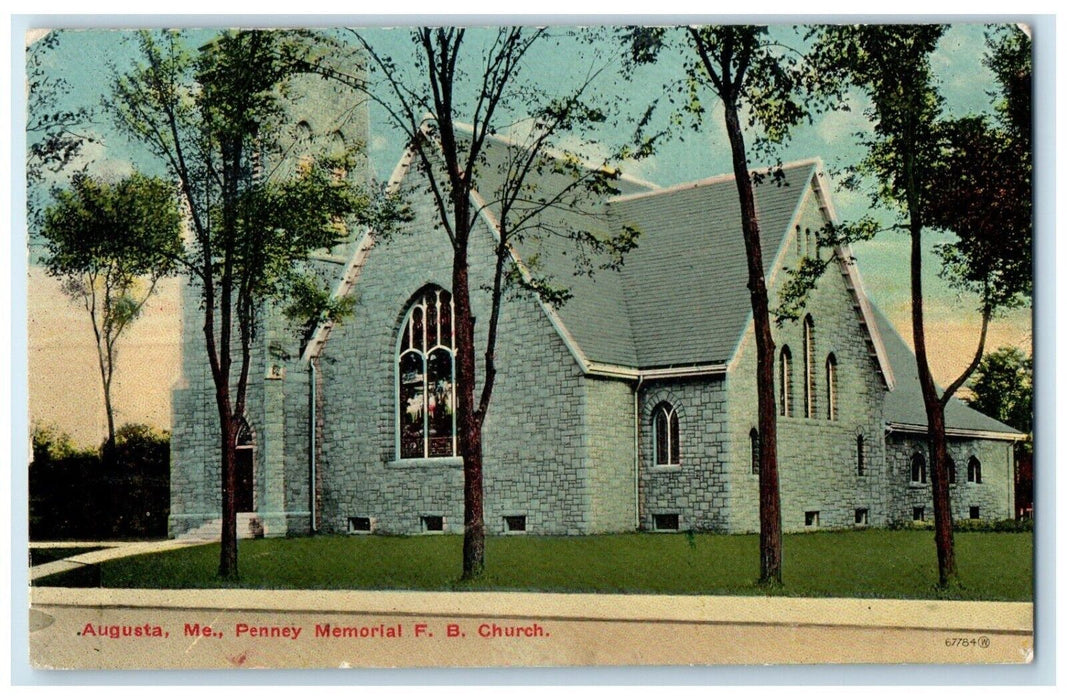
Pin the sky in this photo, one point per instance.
(63, 377)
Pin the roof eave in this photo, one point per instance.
(915, 428)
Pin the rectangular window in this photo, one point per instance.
(918, 514)
(433, 523)
(665, 521)
(975, 513)
(514, 523)
(811, 518)
(861, 516)
(359, 525)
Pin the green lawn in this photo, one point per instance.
(870, 563)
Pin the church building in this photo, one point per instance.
(631, 407)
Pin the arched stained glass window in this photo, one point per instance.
(809, 367)
(831, 387)
(665, 427)
(785, 382)
(426, 372)
(918, 469)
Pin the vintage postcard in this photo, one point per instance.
(530, 346)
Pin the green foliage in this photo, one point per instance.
(1003, 387)
(215, 119)
(869, 563)
(50, 443)
(115, 234)
(81, 494)
(968, 525)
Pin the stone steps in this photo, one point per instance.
(249, 526)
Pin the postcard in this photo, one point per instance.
(530, 346)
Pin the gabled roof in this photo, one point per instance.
(904, 404)
(686, 283)
(680, 303)
(680, 299)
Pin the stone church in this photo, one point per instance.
(630, 407)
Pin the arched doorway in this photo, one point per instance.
(246, 459)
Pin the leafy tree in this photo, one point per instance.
(1003, 387)
(937, 173)
(459, 79)
(213, 120)
(751, 75)
(53, 133)
(110, 245)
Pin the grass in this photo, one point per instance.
(868, 563)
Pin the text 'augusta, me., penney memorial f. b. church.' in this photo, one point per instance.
(630, 407)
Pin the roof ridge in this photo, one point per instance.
(813, 162)
(559, 155)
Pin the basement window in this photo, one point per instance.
(359, 524)
(811, 518)
(918, 514)
(514, 523)
(665, 521)
(433, 523)
(861, 516)
(975, 515)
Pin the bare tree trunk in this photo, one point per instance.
(770, 502)
(228, 544)
(468, 426)
(935, 418)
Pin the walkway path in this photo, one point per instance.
(107, 550)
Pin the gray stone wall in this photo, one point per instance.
(817, 457)
(609, 419)
(697, 489)
(994, 497)
(534, 437)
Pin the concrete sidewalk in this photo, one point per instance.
(108, 550)
(130, 629)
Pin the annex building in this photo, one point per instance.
(630, 407)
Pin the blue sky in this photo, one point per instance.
(88, 59)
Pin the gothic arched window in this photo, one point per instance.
(785, 382)
(974, 471)
(426, 378)
(809, 367)
(831, 387)
(665, 427)
(861, 466)
(918, 469)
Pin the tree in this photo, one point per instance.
(214, 120)
(1003, 387)
(53, 133)
(938, 173)
(748, 72)
(110, 245)
(453, 84)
